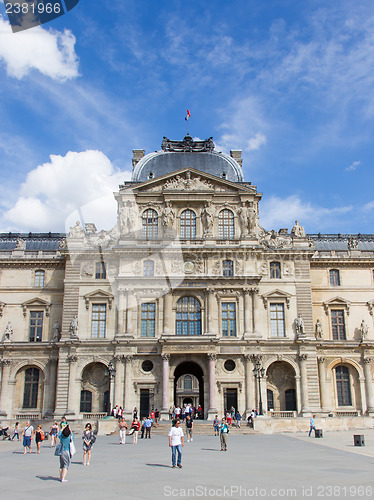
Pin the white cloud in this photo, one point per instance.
(50, 52)
(369, 206)
(256, 142)
(55, 189)
(282, 212)
(353, 166)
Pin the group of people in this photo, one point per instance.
(181, 413)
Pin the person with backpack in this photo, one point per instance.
(39, 437)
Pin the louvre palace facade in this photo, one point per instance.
(187, 299)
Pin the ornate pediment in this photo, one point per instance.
(278, 295)
(36, 303)
(188, 145)
(336, 302)
(99, 295)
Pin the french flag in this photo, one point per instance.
(187, 117)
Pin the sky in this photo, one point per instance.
(289, 82)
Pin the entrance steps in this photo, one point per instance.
(202, 427)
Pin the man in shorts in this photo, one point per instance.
(189, 427)
(27, 434)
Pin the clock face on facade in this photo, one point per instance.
(189, 267)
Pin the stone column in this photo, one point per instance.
(165, 387)
(72, 403)
(121, 313)
(168, 313)
(369, 384)
(212, 411)
(5, 400)
(249, 386)
(50, 387)
(323, 388)
(118, 382)
(248, 327)
(298, 394)
(304, 384)
(212, 324)
(127, 410)
(130, 306)
(254, 310)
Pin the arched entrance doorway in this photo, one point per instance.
(189, 385)
(281, 387)
(94, 389)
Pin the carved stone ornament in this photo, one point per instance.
(272, 239)
(187, 145)
(21, 244)
(364, 330)
(74, 328)
(5, 362)
(77, 231)
(303, 357)
(212, 356)
(187, 183)
(8, 333)
(321, 359)
(367, 360)
(165, 357)
(73, 358)
(318, 331)
(298, 231)
(2, 305)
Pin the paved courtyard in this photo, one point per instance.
(255, 466)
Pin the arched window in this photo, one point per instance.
(228, 268)
(188, 316)
(343, 386)
(187, 383)
(226, 225)
(334, 277)
(270, 398)
(188, 225)
(275, 270)
(31, 388)
(149, 268)
(39, 278)
(150, 224)
(86, 402)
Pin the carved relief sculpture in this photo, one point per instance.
(8, 333)
(207, 219)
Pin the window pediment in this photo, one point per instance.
(336, 302)
(36, 303)
(98, 295)
(278, 295)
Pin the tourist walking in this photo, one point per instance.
(216, 425)
(54, 433)
(142, 428)
(66, 437)
(176, 442)
(63, 423)
(16, 431)
(223, 431)
(88, 438)
(147, 425)
(27, 434)
(39, 437)
(135, 413)
(312, 425)
(122, 431)
(189, 428)
(238, 418)
(135, 426)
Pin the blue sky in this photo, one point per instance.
(290, 83)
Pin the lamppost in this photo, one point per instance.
(111, 371)
(259, 374)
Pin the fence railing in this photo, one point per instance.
(282, 414)
(94, 416)
(28, 416)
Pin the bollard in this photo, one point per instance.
(318, 433)
(359, 439)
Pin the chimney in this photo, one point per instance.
(138, 155)
(237, 155)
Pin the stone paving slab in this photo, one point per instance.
(256, 466)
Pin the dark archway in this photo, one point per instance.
(192, 368)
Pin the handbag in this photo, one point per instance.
(72, 448)
(58, 450)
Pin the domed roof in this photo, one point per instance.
(176, 155)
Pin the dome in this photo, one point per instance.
(176, 155)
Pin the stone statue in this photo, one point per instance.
(74, 328)
(128, 217)
(207, 218)
(8, 334)
(364, 330)
(298, 231)
(77, 231)
(319, 330)
(56, 331)
(252, 219)
(352, 243)
(244, 219)
(299, 325)
(21, 244)
(168, 216)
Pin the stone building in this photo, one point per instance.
(187, 299)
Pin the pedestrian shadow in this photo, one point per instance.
(209, 449)
(77, 463)
(159, 465)
(49, 478)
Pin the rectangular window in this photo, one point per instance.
(228, 268)
(36, 326)
(277, 320)
(337, 324)
(39, 278)
(148, 319)
(98, 326)
(228, 319)
(100, 271)
(334, 277)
